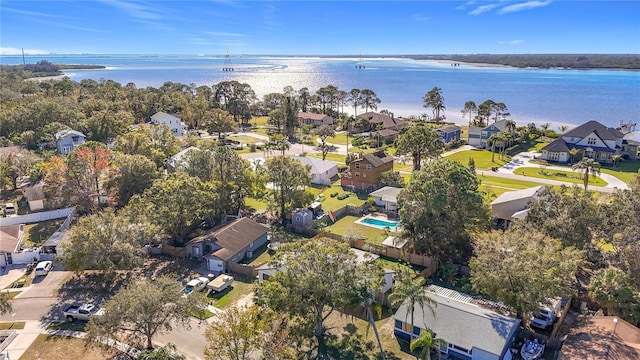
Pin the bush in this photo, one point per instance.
(252, 147)
(334, 194)
(343, 196)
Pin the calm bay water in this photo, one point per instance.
(532, 95)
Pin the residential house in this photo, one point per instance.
(11, 236)
(386, 197)
(229, 243)
(384, 136)
(365, 173)
(478, 136)
(175, 161)
(592, 140)
(513, 205)
(450, 133)
(472, 330)
(301, 217)
(172, 121)
(53, 245)
(601, 337)
(372, 121)
(322, 171)
(316, 120)
(68, 140)
(35, 196)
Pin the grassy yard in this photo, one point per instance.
(37, 234)
(24, 281)
(333, 203)
(65, 325)
(261, 131)
(12, 325)
(243, 139)
(568, 176)
(241, 287)
(257, 204)
(259, 121)
(339, 139)
(54, 347)
(331, 157)
(346, 225)
(482, 158)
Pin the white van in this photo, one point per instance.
(9, 209)
(43, 268)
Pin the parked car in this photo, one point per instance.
(9, 209)
(195, 285)
(43, 268)
(83, 312)
(546, 314)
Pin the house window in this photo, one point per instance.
(357, 165)
(484, 134)
(460, 349)
(368, 166)
(553, 156)
(364, 175)
(398, 324)
(591, 141)
(265, 277)
(357, 174)
(406, 327)
(251, 246)
(416, 330)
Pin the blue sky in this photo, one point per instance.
(319, 27)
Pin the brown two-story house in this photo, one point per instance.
(365, 173)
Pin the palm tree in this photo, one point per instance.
(506, 139)
(371, 307)
(563, 128)
(545, 127)
(470, 107)
(510, 125)
(426, 341)
(573, 152)
(411, 292)
(435, 101)
(616, 158)
(588, 166)
(493, 139)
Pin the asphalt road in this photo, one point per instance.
(37, 301)
(190, 342)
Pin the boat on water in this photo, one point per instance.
(532, 350)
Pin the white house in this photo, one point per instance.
(321, 170)
(172, 121)
(386, 197)
(176, 160)
(592, 140)
(68, 140)
(472, 331)
(513, 205)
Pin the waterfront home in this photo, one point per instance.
(228, 243)
(365, 173)
(479, 136)
(371, 121)
(178, 128)
(316, 120)
(450, 133)
(592, 140)
(471, 329)
(322, 171)
(513, 205)
(67, 140)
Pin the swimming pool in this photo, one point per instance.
(381, 224)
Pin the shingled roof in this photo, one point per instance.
(557, 145)
(593, 126)
(377, 159)
(236, 236)
(386, 120)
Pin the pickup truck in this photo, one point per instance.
(220, 283)
(195, 285)
(83, 312)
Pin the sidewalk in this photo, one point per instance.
(25, 338)
(10, 274)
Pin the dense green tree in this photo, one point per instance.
(440, 207)
(614, 290)
(421, 142)
(392, 178)
(523, 274)
(141, 310)
(587, 166)
(315, 278)
(15, 165)
(132, 175)
(105, 125)
(166, 352)
(155, 142)
(369, 99)
(469, 109)
(566, 215)
(289, 179)
(218, 121)
(108, 242)
(234, 97)
(177, 204)
(434, 100)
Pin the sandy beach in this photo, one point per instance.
(46, 78)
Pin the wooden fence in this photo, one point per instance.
(180, 252)
(242, 269)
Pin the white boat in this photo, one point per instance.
(531, 350)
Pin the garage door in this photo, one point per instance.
(216, 265)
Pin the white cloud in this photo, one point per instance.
(136, 10)
(482, 9)
(524, 6)
(510, 42)
(16, 51)
(223, 34)
(420, 18)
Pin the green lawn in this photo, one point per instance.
(240, 288)
(261, 131)
(346, 225)
(257, 204)
(482, 158)
(339, 139)
(12, 325)
(333, 203)
(37, 234)
(243, 139)
(331, 157)
(559, 175)
(539, 145)
(626, 170)
(259, 121)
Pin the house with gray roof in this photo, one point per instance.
(372, 121)
(177, 160)
(386, 197)
(449, 133)
(513, 205)
(316, 120)
(322, 171)
(479, 136)
(67, 140)
(473, 328)
(592, 140)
